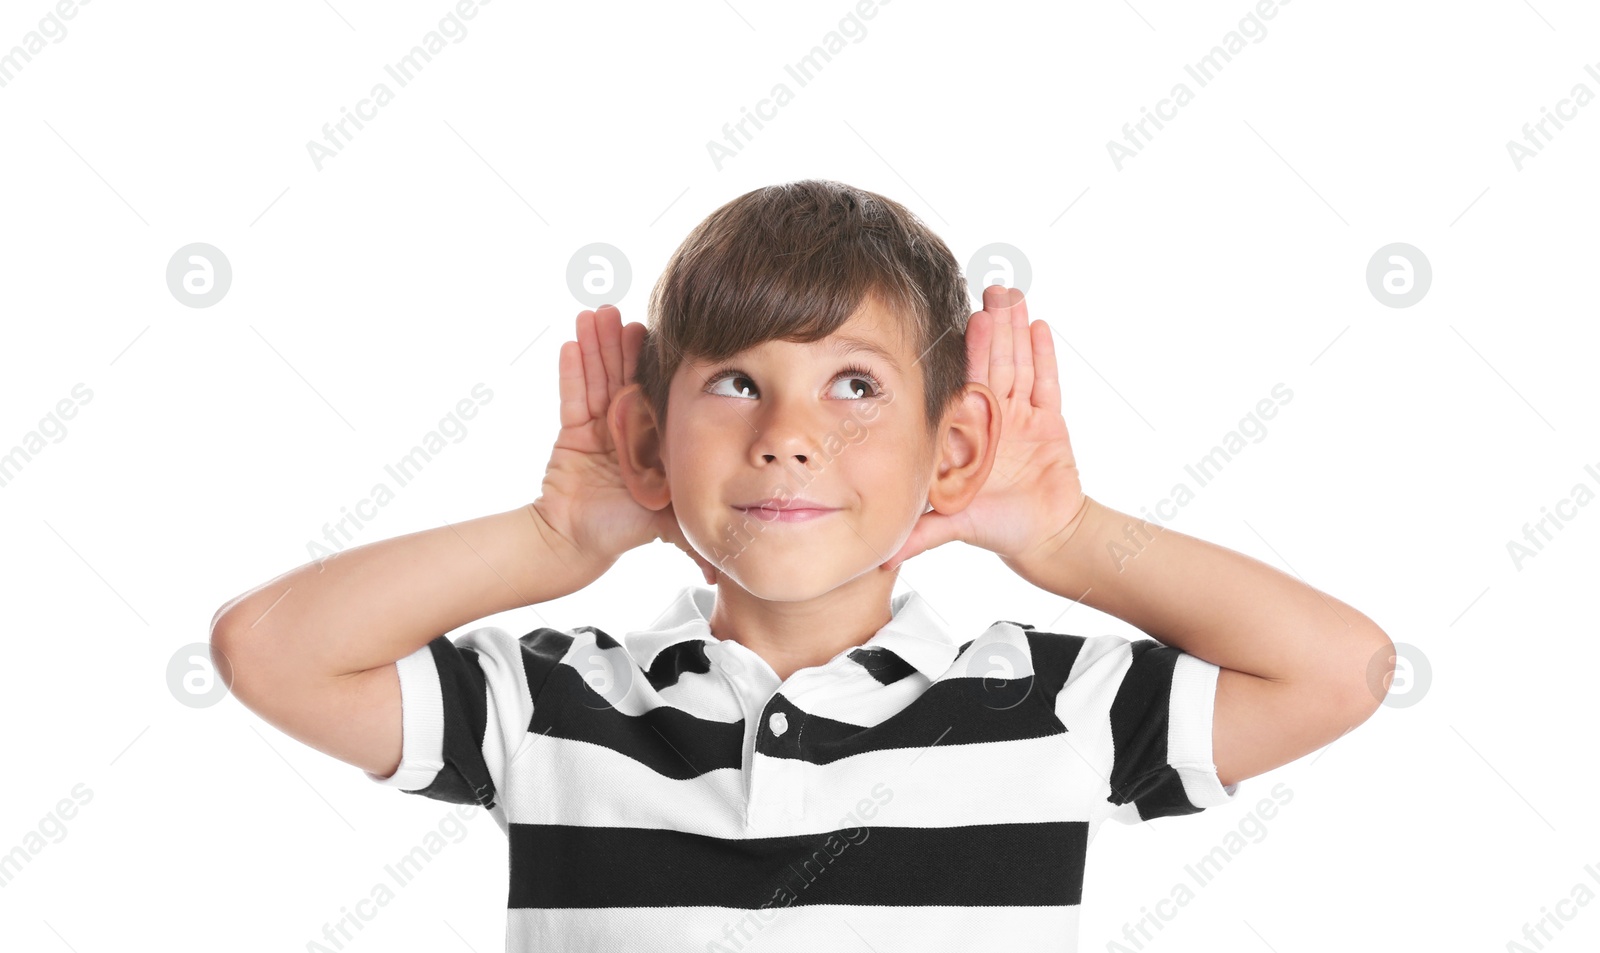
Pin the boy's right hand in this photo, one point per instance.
(583, 497)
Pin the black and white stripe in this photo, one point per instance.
(665, 789)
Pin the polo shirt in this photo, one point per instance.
(667, 791)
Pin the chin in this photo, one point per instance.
(789, 580)
(777, 587)
(780, 583)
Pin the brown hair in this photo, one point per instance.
(793, 262)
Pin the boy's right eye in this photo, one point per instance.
(742, 387)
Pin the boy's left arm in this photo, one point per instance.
(1295, 661)
(1299, 667)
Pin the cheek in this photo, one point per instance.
(696, 453)
(881, 465)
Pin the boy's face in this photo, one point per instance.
(789, 421)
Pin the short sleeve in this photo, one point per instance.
(1144, 711)
(466, 707)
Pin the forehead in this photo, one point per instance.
(875, 331)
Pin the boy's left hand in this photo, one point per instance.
(1032, 498)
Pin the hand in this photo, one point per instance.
(1032, 499)
(583, 497)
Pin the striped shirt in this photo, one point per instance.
(666, 790)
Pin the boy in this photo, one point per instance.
(797, 754)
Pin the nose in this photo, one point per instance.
(784, 434)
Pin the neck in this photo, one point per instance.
(798, 634)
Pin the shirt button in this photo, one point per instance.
(779, 723)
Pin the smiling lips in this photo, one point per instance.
(772, 510)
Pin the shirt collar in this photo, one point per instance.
(914, 632)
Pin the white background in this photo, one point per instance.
(372, 295)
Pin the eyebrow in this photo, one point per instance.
(852, 345)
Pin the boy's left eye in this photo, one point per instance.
(855, 375)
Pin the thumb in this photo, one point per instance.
(706, 569)
(932, 529)
(669, 531)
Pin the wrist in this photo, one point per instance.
(584, 563)
(1052, 556)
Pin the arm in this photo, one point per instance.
(376, 603)
(314, 650)
(1294, 660)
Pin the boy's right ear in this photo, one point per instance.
(634, 433)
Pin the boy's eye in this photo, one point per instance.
(742, 384)
(861, 384)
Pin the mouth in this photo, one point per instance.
(786, 514)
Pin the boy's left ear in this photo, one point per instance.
(967, 441)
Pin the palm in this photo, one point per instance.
(1033, 490)
(583, 496)
(596, 511)
(1033, 465)
(1034, 469)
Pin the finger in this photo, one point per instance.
(707, 570)
(608, 325)
(1022, 346)
(1001, 361)
(632, 344)
(669, 531)
(594, 369)
(1046, 382)
(574, 405)
(980, 331)
(931, 530)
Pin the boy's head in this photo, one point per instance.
(744, 388)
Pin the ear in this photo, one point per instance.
(631, 421)
(967, 441)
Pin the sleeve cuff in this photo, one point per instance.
(1193, 704)
(421, 721)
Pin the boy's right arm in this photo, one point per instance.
(313, 651)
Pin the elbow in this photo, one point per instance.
(1369, 674)
(224, 627)
(222, 652)
(1351, 678)
(229, 647)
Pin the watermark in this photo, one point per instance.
(451, 429)
(802, 71)
(1538, 934)
(607, 675)
(1398, 275)
(1399, 677)
(851, 833)
(1202, 71)
(1137, 534)
(402, 71)
(198, 275)
(1543, 530)
(1566, 109)
(599, 274)
(50, 28)
(199, 675)
(450, 830)
(992, 674)
(51, 429)
(998, 263)
(51, 829)
(1252, 829)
